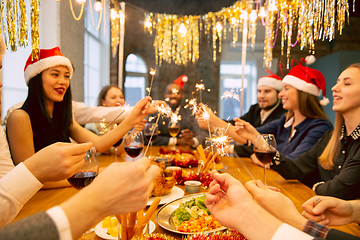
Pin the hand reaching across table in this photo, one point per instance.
(331, 211)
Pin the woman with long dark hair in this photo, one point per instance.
(46, 115)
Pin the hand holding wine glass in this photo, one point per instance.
(133, 143)
(265, 149)
(88, 172)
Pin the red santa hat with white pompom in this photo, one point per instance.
(181, 81)
(272, 80)
(308, 80)
(48, 58)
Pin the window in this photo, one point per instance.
(135, 79)
(230, 78)
(97, 55)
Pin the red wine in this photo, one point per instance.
(265, 156)
(147, 136)
(118, 143)
(82, 179)
(133, 151)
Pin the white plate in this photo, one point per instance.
(102, 232)
(163, 216)
(175, 193)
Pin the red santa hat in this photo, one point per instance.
(307, 80)
(272, 80)
(181, 81)
(48, 58)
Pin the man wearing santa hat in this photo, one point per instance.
(268, 108)
(190, 132)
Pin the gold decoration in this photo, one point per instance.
(115, 32)
(23, 40)
(177, 37)
(35, 39)
(81, 11)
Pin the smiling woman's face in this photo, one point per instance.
(346, 92)
(56, 81)
(113, 98)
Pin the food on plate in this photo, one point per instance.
(111, 225)
(164, 182)
(193, 216)
(180, 157)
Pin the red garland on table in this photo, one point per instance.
(227, 235)
(156, 236)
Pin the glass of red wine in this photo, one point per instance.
(265, 149)
(88, 172)
(133, 143)
(151, 132)
(86, 175)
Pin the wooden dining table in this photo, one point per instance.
(241, 168)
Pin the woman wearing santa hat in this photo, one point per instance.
(332, 166)
(46, 118)
(305, 122)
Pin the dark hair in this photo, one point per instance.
(62, 113)
(104, 91)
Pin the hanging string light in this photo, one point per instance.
(310, 20)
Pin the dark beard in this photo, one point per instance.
(270, 107)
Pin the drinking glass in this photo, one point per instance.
(88, 172)
(174, 129)
(86, 175)
(133, 143)
(117, 144)
(265, 149)
(151, 132)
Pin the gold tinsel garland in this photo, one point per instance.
(15, 28)
(177, 37)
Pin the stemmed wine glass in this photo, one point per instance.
(265, 149)
(88, 172)
(174, 129)
(86, 175)
(151, 132)
(133, 143)
(117, 144)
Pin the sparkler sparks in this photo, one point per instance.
(231, 94)
(192, 104)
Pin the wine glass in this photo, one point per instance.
(151, 132)
(88, 172)
(174, 129)
(265, 149)
(133, 143)
(117, 144)
(86, 175)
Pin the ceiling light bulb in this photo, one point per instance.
(80, 1)
(218, 27)
(97, 5)
(113, 14)
(262, 12)
(182, 29)
(253, 16)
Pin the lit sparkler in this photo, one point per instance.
(152, 73)
(231, 94)
(200, 87)
(192, 104)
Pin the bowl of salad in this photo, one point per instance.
(188, 215)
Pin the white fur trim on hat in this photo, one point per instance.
(46, 63)
(301, 85)
(270, 82)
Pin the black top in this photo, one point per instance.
(343, 181)
(44, 133)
